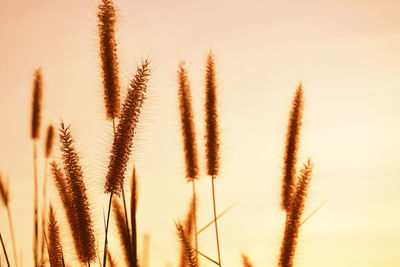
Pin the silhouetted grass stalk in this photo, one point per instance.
(4, 250)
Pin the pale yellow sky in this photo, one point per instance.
(347, 53)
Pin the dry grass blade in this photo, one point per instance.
(134, 201)
(188, 129)
(122, 231)
(83, 233)
(293, 221)
(36, 104)
(54, 245)
(49, 141)
(246, 261)
(109, 59)
(212, 133)
(186, 246)
(123, 139)
(291, 147)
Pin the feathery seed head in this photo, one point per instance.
(49, 141)
(36, 104)
(109, 58)
(186, 246)
(291, 147)
(212, 132)
(123, 138)
(188, 129)
(83, 227)
(54, 244)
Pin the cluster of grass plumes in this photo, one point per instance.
(123, 139)
(291, 147)
(82, 222)
(109, 59)
(54, 246)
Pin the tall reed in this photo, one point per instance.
(189, 138)
(54, 247)
(295, 212)
(109, 59)
(5, 199)
(291, 147)
(35, 132)
(212, 134)
(83, 227)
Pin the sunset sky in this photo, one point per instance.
(345, 52)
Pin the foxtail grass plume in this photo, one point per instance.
(123, 138)
(291, 148)
(212, 132)
(188, 129)
(295, 212)
(54, 244)
(4, 192)
(36, 104)
(49, 141)
(246, 261)
(83, 233)
(124, 236)
(109, 59)
(186, 246)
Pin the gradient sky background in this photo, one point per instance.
(347, 53)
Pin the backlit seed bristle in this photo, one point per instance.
(212, 132)
(36, 104)
(109, 58)
(54, 244)
(85, 245)
(295, 212)
(186, 246)
(123, 138)
(49, 141)
(188, 129)
(4, 192)
(122, 231)
(291, 148)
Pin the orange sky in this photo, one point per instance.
(347, 53)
